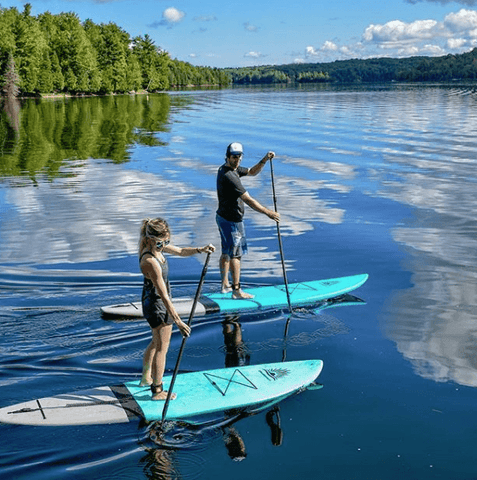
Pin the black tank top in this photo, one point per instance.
(152, 304)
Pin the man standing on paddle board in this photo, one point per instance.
(232, 195)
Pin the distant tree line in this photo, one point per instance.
(412, 69)
(60, 54)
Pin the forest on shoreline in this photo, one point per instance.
(60, 55)
(461, 67)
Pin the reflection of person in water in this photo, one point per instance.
(160, 464)
(236, 354)
(234, 444)
(273, 421)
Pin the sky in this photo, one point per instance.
(218, 33)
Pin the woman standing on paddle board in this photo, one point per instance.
(154, 241)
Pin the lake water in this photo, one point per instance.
(376, 179)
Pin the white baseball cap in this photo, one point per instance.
(234, 149)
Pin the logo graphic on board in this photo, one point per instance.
(222, 384)
(275, 373)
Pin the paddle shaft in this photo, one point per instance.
(280, 239)
(184, 339)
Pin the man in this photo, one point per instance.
(232, 196)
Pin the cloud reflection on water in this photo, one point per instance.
(93, 213)
(412, 145)
(434, 323)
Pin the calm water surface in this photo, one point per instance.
(378, 179)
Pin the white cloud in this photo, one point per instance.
(205, 18)
(329, 46)
(254, 55)
(456, 33)
(396, 32)
(311, 51)
(409, 51)
(172, 16)
(463, 20)
(433, 50)
(455, 43)
(249, 27)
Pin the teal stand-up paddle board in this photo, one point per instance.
(265, 298)
(198, 393)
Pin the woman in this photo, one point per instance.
(156, 298)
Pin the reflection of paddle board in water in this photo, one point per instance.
(198, 393)
(270, 297)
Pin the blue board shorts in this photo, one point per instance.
(232, 236)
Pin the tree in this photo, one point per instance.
(30, 49)
(111, 44)
(45, 76)
(11, 79)
(8, 19)
(154, 63)
(76, 56)
(57, 76)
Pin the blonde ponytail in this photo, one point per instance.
(152, 228)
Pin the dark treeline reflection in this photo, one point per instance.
(39, 135)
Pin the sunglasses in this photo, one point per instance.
(162, 243)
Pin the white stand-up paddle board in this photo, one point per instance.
(198, 393)
(265, 298)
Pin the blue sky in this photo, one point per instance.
(218, 33)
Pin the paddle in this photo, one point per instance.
(184, 339)
(280, 240)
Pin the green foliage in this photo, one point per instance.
(258, 75)
(11, 79)
(59, 54)
(415, 69)
(312, 77)
(44, 133)
(154, 64)
(446, 68)
(183, 74)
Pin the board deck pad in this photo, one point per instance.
(265, 298)
(198, 393)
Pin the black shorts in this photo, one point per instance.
(155, 313)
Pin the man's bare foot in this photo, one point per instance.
(226, 289)
(240, 294)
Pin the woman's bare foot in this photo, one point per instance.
(159, 394)
(163, 396)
